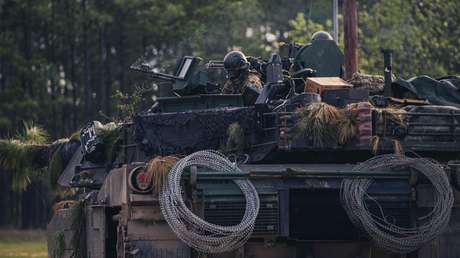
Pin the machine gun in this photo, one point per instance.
(189, 88)
(274, 83)
(188, 79)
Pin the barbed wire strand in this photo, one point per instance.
(386, 234)
(197, 233)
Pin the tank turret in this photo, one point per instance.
(313, 167)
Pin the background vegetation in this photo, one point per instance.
(22, 244)
(62, 61)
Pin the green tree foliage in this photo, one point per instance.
(64, 63)
(303, 28)
(424, 34)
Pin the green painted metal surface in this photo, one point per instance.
(323, 56)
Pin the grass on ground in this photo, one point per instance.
(23, 244)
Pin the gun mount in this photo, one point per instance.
(187, 79)
(188, 89)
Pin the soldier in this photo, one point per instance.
(240, 79)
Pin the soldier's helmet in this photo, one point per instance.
(321, 35)
(235, 63)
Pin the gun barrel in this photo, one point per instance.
(155, 75)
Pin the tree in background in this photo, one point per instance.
(424, 34)
(61, 62)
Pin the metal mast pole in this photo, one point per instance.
(335, 19)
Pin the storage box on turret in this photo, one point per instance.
(320, 84)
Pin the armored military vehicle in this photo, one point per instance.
(313, 166)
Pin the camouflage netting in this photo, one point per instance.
(157, 171)
(29, 153)
(374, 83)
(187, 132)
(236, 140)
(320, 125)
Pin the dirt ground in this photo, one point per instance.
(22, 244)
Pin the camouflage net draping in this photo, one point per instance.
(187, 132)
(374, 83)
(197, 233)
(384, 233)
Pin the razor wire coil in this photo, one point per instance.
(385, 233)
(197, 233)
